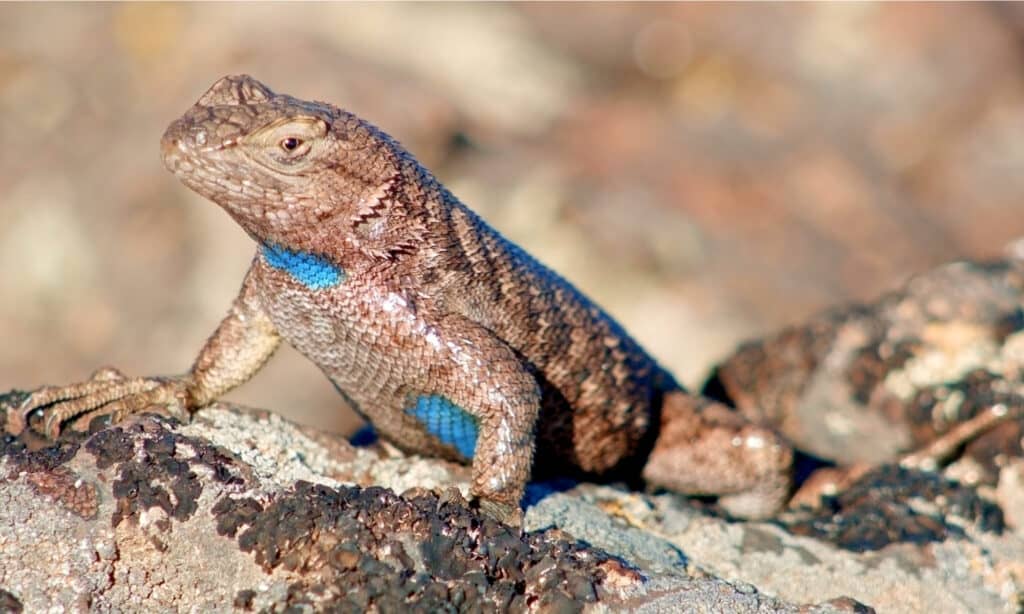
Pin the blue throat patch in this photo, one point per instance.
(447, 421)
(314, 272)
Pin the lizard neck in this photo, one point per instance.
(314, 271)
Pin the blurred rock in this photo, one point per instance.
(866, 382)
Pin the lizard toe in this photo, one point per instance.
(511, 515)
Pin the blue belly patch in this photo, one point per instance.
(445, 420)
(313, 271)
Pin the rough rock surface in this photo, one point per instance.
(242, 509)
(864, 382)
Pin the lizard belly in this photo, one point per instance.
(369, 344)
(335, 328)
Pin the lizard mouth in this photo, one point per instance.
(184, 148)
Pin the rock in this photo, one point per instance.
(862, 383)
(977, 571)
(246, 510)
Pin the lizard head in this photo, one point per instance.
(280, 166)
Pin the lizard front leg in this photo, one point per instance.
(242, 343)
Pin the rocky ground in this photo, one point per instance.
(243, 507)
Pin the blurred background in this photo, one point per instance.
(708, 173)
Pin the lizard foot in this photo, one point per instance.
(511, 515)
(930, 457)
(107, 393)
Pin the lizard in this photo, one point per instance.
(450, 340)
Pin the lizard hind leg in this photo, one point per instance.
(705, 448)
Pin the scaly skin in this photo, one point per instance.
(426, 319)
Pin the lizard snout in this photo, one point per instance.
(176, 143)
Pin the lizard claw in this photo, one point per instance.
(107, 393)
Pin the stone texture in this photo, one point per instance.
(178, 522)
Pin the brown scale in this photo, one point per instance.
(430, 300)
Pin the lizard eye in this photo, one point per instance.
(289, 145)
